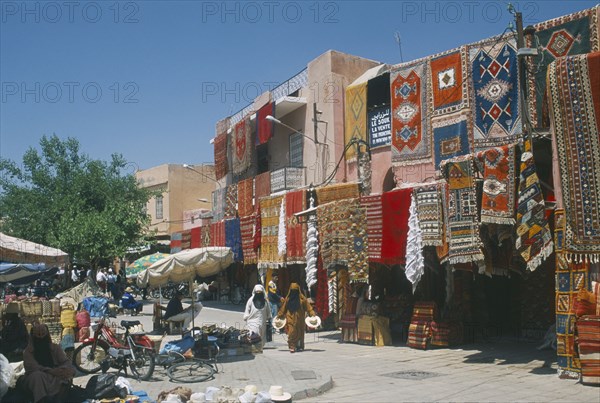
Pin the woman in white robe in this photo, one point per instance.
(257, 313)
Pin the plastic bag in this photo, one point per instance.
(179, 346)
(6, 375)
(104, 387)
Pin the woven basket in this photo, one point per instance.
(32, 308)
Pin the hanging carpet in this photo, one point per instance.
(295, 202)
(396, 206)
(233, 238)
(231, 201)
(241, 146)
(374, 211)
(264, 127)
(269, 255)
(262, 185)
(221, 155)
(340, 191)
(245, 196)
(429, 210)
(356, 116)
(247, 224)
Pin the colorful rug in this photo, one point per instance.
(343, 236)
(356, 116)
(495, 94)
(245, 197)
(205, 234)
(247, 224)
(269, 210)
(233, 238)
(186, 239)
(221, 167)
(570, 278)
(450, 137)
(448, 82)
(567, 35)
(498, 166)
(574, 88)
(327, 194)
(219, 203)
(534, 239)
(196, 237)
(295, 202)
(374, 209)
(419, 334)
(395, 207)
(588, 330)
(231, 201)
(463, 222)
(262, 186)
(264, 127)
(411, 132)
(217, 233)
(241, 146)
(429, 210)
(443, 250)
(322, 302)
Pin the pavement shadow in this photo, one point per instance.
(510, 353)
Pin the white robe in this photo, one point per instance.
(256, 319)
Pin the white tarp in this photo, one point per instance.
(17, 250)
(186, 265)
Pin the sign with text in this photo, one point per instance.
(380, 126)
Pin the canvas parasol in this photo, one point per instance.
(185, 266)
(141, 264)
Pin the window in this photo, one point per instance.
(296, 150)
(159, 207)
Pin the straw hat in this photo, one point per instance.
(313, 322)
(278, 395)
(279, 323)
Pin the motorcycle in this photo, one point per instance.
(105, 350)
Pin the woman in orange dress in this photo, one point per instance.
(294, 309)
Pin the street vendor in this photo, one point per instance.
(176, 313)
(128, 301)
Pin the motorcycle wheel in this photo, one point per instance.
(143, 364)
(88, 358)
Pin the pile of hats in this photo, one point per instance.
(226, 394)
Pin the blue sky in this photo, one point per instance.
(149, 79)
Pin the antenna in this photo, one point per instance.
(397, 38)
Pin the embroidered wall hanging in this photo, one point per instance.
(574, 88)
(241, 146)
(571, 34)
(356, 116)
(495, 94)
(411, 132)
(499, 185)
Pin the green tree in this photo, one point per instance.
(60, 197)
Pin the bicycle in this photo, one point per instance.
(105, 350)
(183, 369)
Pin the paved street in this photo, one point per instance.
(330, 371)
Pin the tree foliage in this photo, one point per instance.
(60, 197)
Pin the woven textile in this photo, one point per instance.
(233, 238)
(448, 83)
(206, 235)
(574, 87)
(567, 35)
(429, 210)
(495, 95)
(419, 334)
(186, 239)
(415, 263)
(322, 302)
(241, 146)
(365, 330)
(396, 206)
(337, 192)
(221, 167)
(411, 132)
(262, 185)
(463, 222)
(295, 232)
(245, 196)
(343, 235)
(570, 278)
(264, 127)
(231, 201)
(374, 210)
(356, 116)
(499, 185)
(247, 233)
(534, 239)
(281, 233)
(219, 203)
(424, 311)
(440, 334)
(196, 237)
(588, 341)
(450, 137)
(217, 233)
(175, 242)
(269, 210)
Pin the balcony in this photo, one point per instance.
(287, 179)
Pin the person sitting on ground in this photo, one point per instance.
(176, 313)
(48, 372)
(128, 301)
(13, 335)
